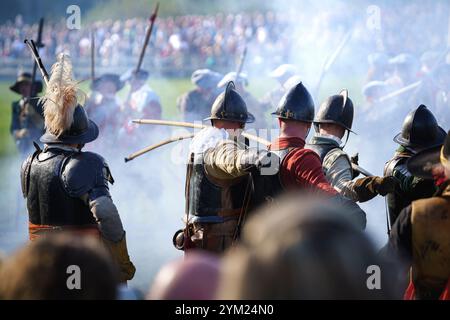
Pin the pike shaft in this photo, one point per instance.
(195, 126)
(147, 37)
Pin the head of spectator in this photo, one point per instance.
(307, 250)
(194, 277)
(59, 267)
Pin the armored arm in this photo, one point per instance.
(86, 176)
(340, 175)
(227, 160)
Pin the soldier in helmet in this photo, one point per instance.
(27, 121)
(420, 236)
(67, 190)
(253, 105)
(196, 104)
(218, 182)
(420, 131)
(333, 120)
(300, 168)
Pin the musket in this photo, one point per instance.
(361, 170)
(241, 62)
(39, 44)
(37, 59)
(195, 126)
(147, 37)
(157, 145)
(330, 60)
(92, 55)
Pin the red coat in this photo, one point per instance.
(301, 168)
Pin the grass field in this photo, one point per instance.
(168, 90)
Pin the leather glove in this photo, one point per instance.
(119, 252)
(385, 185)
(369, 187)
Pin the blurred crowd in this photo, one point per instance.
(216, 41)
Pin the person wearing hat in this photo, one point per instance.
(333, 120)
(253, 105)
(218, 182)
(142, 101)
(196, 104)
(420, 237)
(27, 121)
(66, 189)
(103, 106)
(420, 131)
(281, 74)
(300, 168)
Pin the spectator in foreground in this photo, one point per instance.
(194, 277)
(307, 250)
(43, 270)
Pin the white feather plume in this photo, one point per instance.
(60, 99)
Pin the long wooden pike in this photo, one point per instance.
(195, 126)
(157, 145)
(147, 37)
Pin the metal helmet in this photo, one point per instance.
(337, 109)
(296, 104)
(230, 106)
(420, 130)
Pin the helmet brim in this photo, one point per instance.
(250, 119)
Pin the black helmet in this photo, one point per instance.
(82, 130)
(337, 109)
(230, 106)
(296, 104)
(420, 130)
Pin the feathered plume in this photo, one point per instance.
(60, 99)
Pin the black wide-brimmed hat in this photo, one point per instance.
(25, 77)
(108, 77)
(83, 130)
(425, 163)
